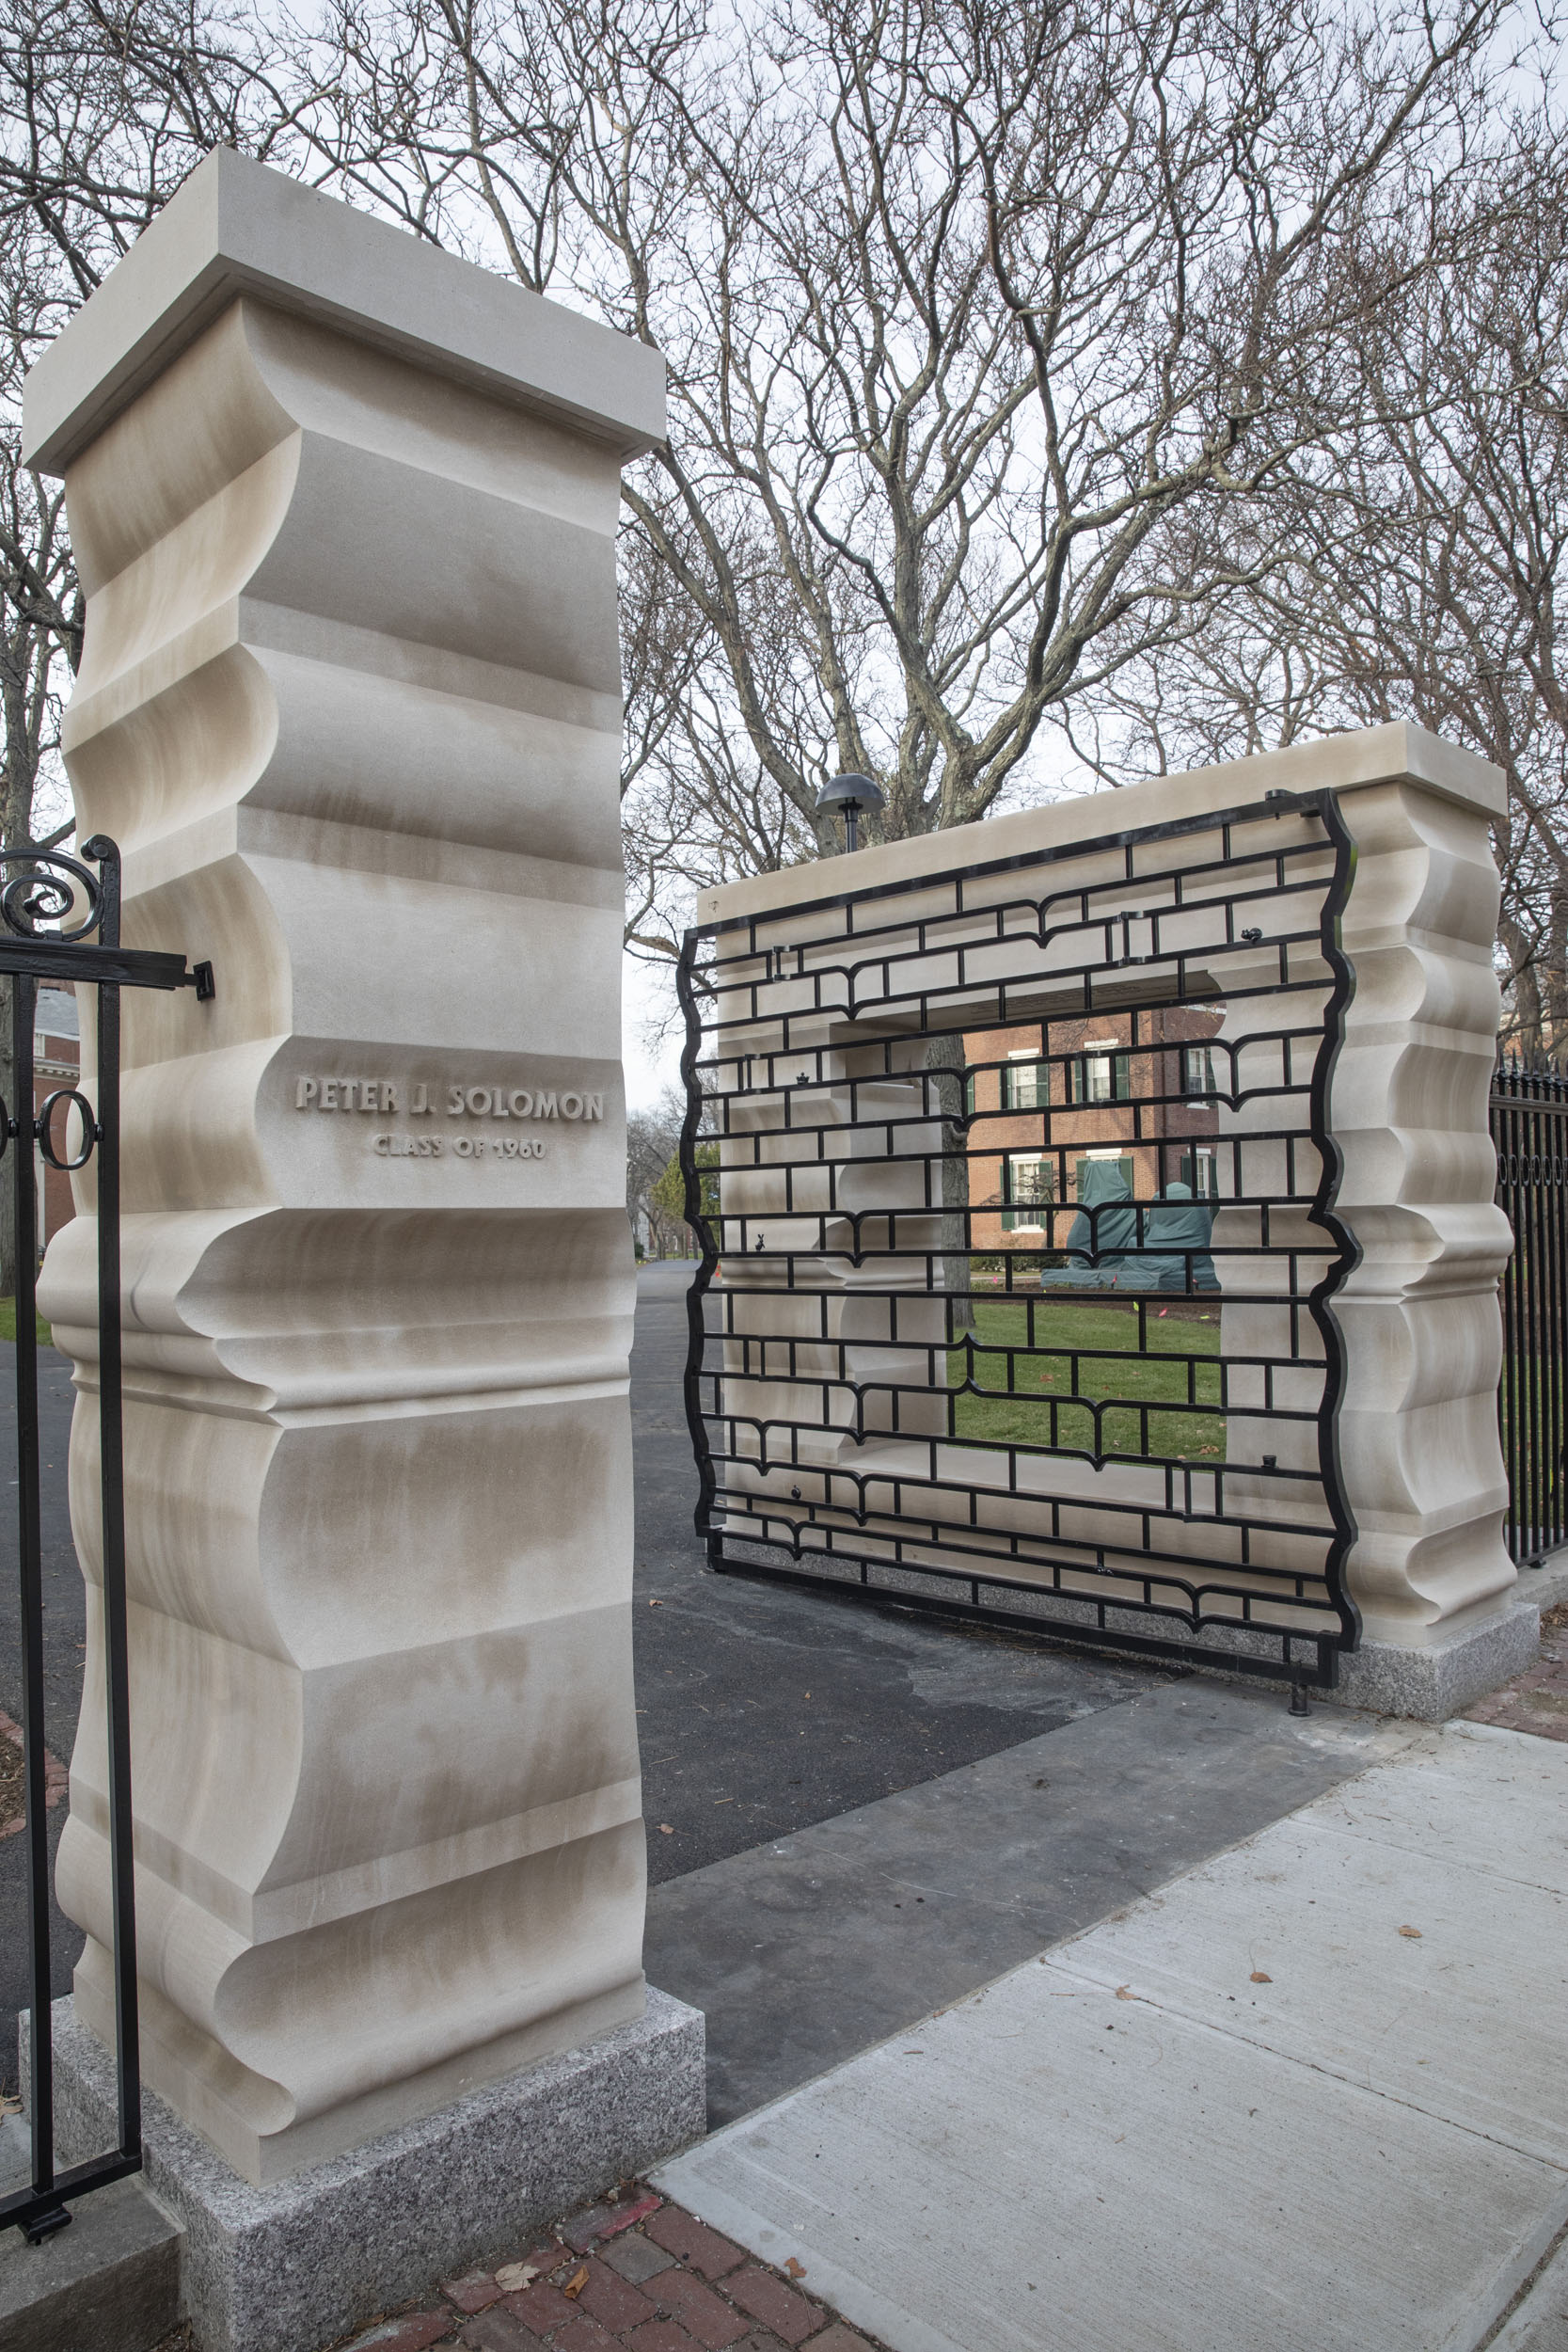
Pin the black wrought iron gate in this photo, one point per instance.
(1529, 1128)
(1015, 1189)
(59, 921)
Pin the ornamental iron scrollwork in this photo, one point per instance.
(42, 1128)
(1530, 1133)
(980, 1164)
(49, 888)
(42, 1131)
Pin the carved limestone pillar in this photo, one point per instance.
(344, 510)
(1418, 1441)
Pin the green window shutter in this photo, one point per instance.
(1009, 1220)
(1121, 1078)
(969, 1095)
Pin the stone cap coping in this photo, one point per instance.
(237, 227)
(1401, 753)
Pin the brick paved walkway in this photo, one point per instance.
(641, 2273)
(1537, 1700)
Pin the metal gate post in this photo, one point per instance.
(45, 888)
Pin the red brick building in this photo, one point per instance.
(56, 1062)
(1045, 1098)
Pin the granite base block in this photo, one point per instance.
(1442, 1678)
(290, 2267)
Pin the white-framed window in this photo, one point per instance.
(1029, 1185)
(1197, 1073)
(1025, 1081)
(1200, 1175)
(1100, 1073)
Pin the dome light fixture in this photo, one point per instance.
(853, 795)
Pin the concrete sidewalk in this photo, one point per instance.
(1312, 2095)
(803, 1952)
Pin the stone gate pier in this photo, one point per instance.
(345, 512)
(1105, 1236)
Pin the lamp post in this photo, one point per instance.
(852, 794)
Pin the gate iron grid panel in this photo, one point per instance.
(50, 906)
(1529, 1129)
(775, 1098)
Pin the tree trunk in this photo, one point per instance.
(1527, 985)
(23, 728)
(16, 810)
(945, 1055)
(1555, 994)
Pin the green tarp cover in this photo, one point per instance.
(1175, 1223)
(1104, 1187)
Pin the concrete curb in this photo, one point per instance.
(110, 2282)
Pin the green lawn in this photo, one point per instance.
(8, 1324)
(1019, 1391)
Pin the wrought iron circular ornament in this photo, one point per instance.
(91, 1132)
(44, 889)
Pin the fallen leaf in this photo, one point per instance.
(1259, 1977)
(576, 2283)
(796, 2270)
(655, 1604)
(666, 1829)
(1125, 1992)
(1414, 1932)
(514, 2276)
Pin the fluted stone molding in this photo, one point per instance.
(345, 511)
(1418, 1441)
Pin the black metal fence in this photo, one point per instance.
(59, 921)
(1015, 1190)
(1529, 1128)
